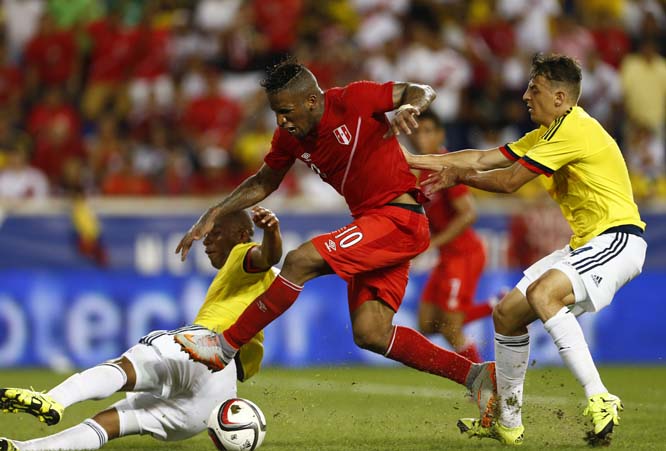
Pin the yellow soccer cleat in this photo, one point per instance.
(472, 427)
(603, 410)
(47, 409)
(7, 445)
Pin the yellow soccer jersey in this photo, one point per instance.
(584, 171)
(232, 290)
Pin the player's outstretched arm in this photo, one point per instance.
(270, 251)
(254, 189)
(479, 160)
(501, 180)
(409, 99)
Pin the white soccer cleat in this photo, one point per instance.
(206, 349)
(483, 390)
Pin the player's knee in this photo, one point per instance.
(110, 422)
(453, 334)
(503, 320)
(301, 264)
(428, 326)
(371, 337)
(536, 294)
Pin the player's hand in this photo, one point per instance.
(196, 232)
(264, 218)
(443, 179)
(404, 121)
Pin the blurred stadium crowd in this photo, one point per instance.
(162, 97)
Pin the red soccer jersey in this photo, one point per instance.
(11, 82)
(440, 211)
(53, 56)
(347, 148)
(113, 51)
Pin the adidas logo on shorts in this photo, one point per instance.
(597, 279)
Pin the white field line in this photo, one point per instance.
(393, 390)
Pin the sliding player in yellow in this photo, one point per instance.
(170, 397)
(584, 172)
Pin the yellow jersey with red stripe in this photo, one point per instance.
(583, 171)
(234, 287)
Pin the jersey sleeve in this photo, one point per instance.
(551, 153)
(371, 97)
(247, 262)
(279, 156)
(239, 263)
(515, 150)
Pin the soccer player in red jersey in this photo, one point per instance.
(344, 136)
(447, 301)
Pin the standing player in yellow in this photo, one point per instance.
(584, 172)
(170, 397)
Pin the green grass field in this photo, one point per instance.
(393, 409)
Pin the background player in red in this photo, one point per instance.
(447, 301)
(343, 135)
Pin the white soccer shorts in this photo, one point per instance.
(173, 395)
(597, 270)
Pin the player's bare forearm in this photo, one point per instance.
(271, 246)
(416, 95)
(481, 160)
(251, 191)
(245, 195)
(426, 162)
(270, 252)
(410, 100)
(505, 180)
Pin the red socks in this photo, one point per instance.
(470, 352)
(262, 311)
(414, 350)
(407, 346)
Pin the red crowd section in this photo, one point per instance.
(162, 97)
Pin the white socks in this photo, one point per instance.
(568, 337)
(87, 435)
(98, 382)
(511, 358)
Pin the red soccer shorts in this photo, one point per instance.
(373, 253)
(452, 283)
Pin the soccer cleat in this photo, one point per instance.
(7, 445)
(483, 390)
(45, 408)
(603, 410)
(206, 349)
(472, 427)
